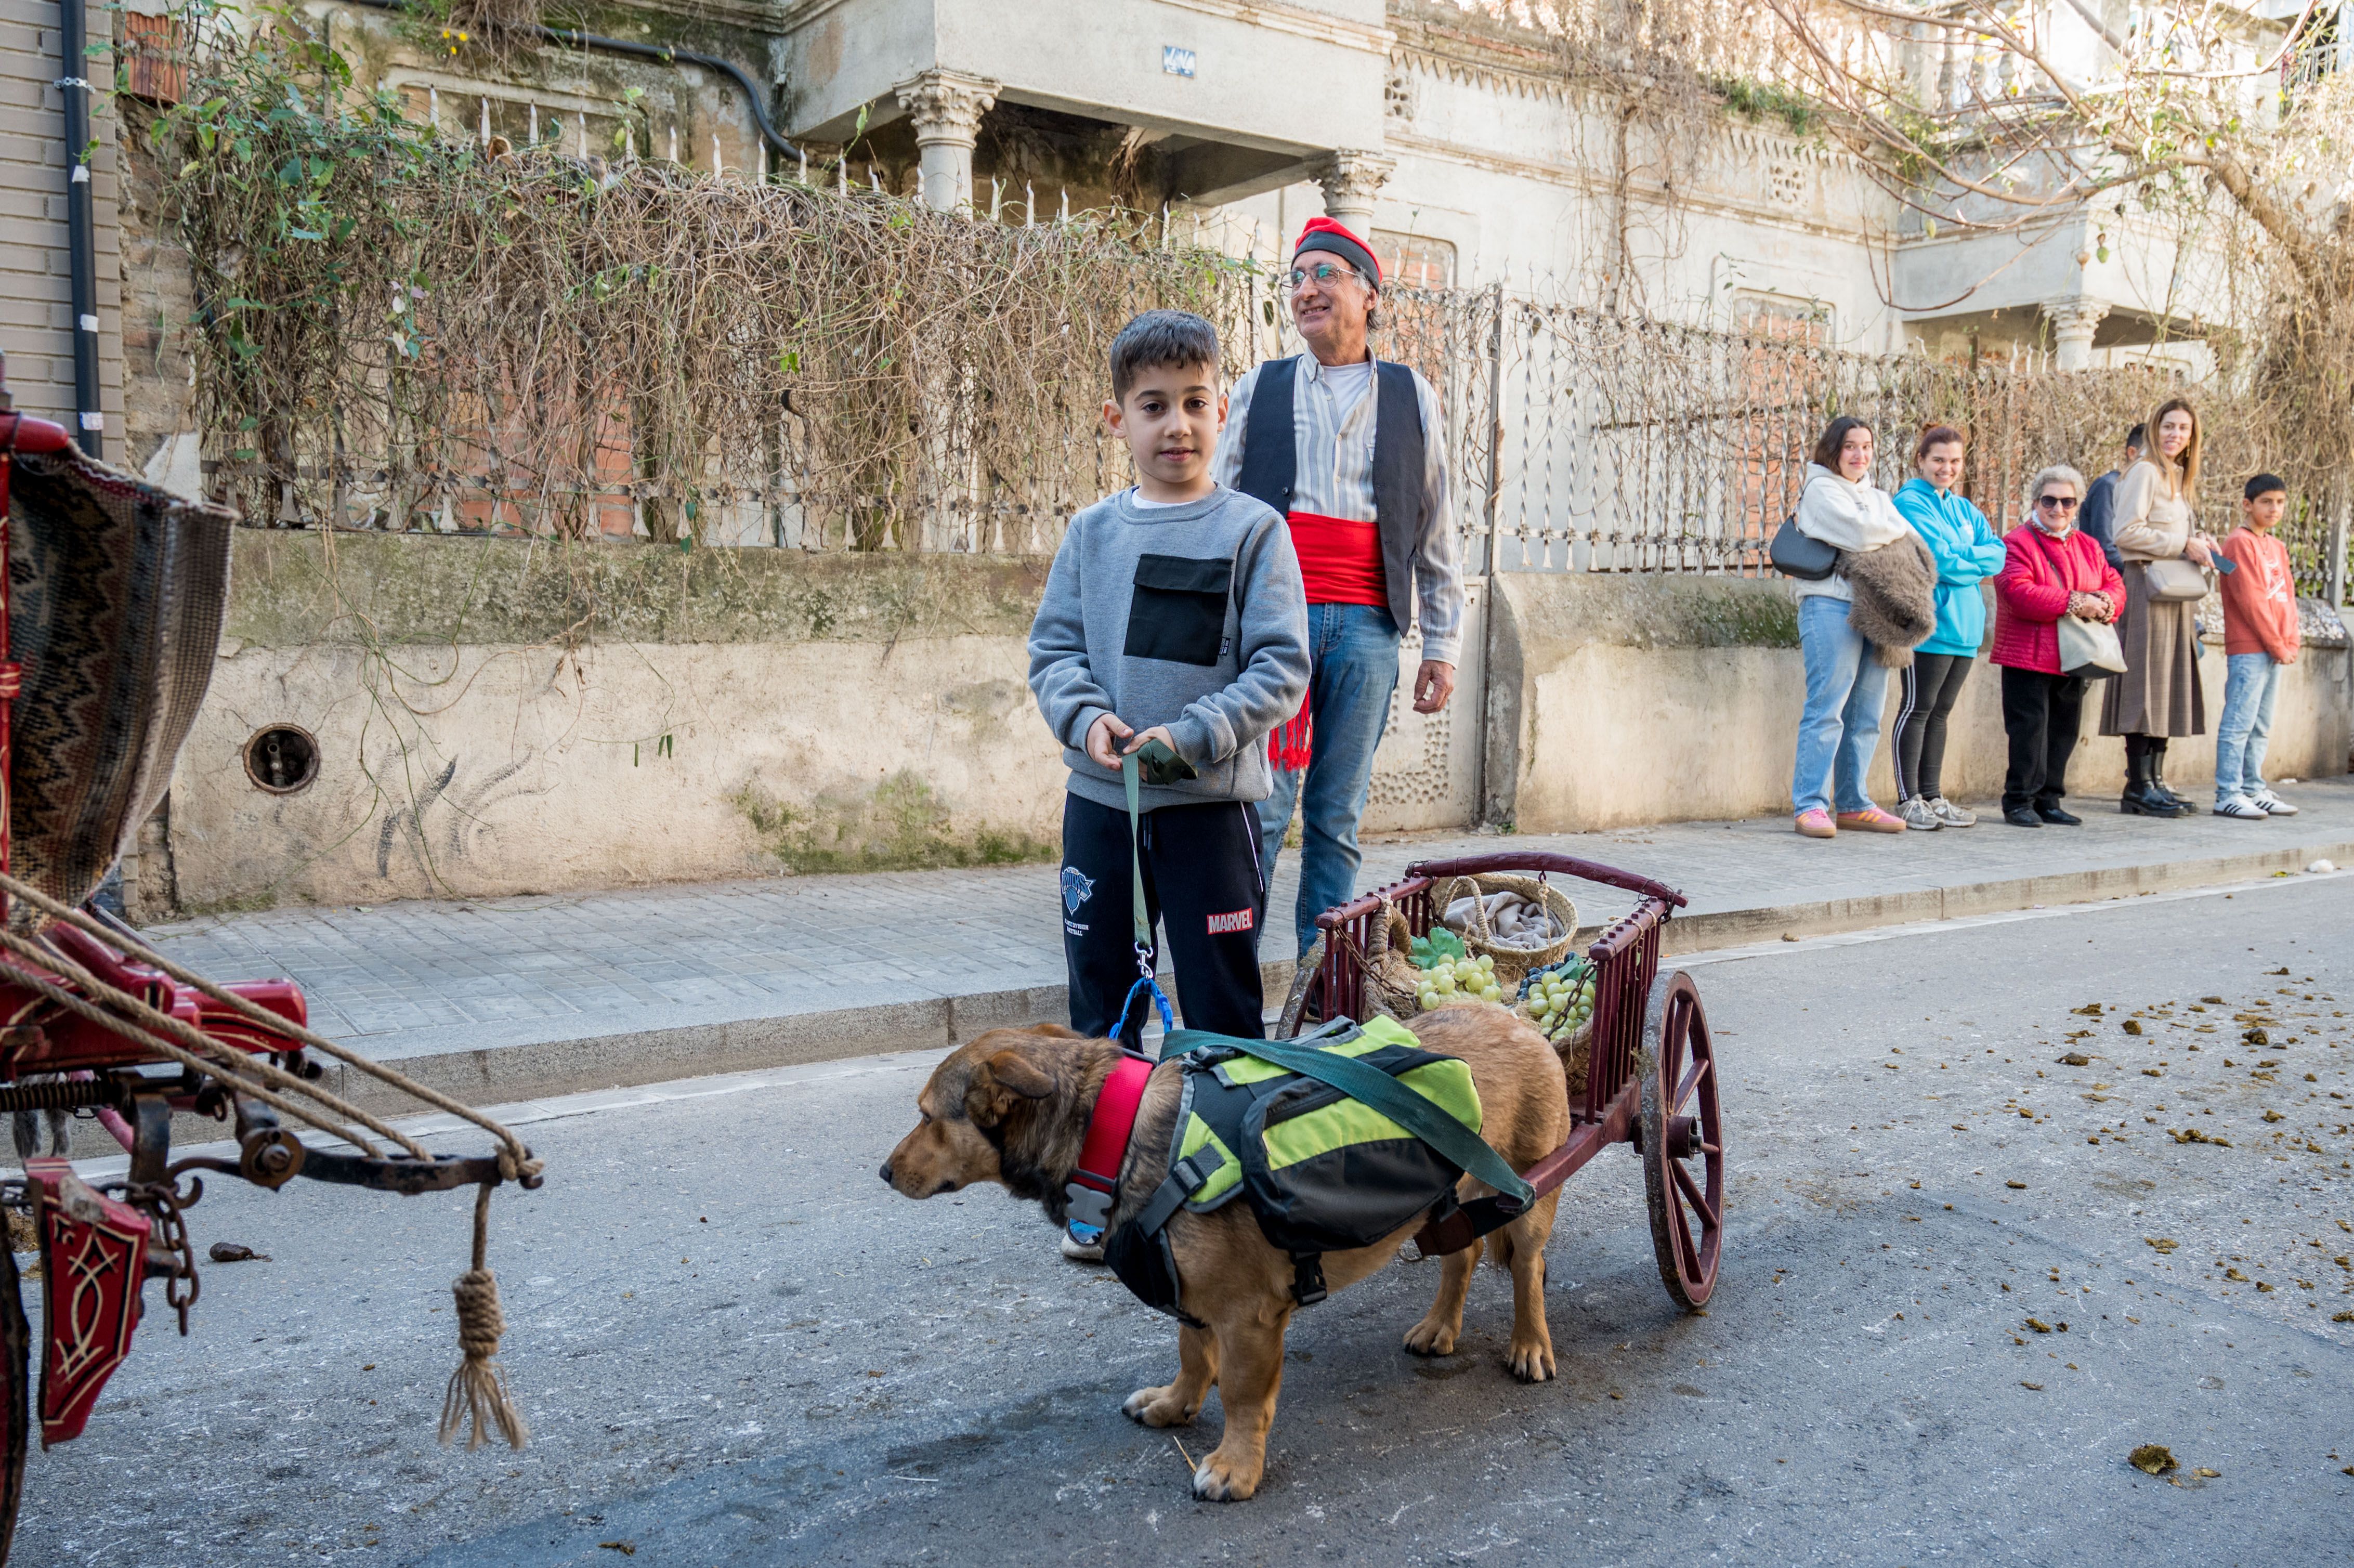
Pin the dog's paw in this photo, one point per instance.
(1533, 1363)
(1432, 1337)
(1157, 1407)
(1222, 1479)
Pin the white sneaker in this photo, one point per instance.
(2240, 806)
(1917, 815)
(1952, 816)
(1078, 1254)
(2273, 805)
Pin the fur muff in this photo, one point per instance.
(1895, 604)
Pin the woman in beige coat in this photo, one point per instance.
(2158, 696)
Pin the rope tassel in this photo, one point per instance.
(1291, 743)
(478, 1389)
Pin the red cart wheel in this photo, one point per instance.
(1681, 1121)
(16, 1394)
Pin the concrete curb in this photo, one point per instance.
(547, 1068)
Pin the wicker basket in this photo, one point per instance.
(1393, 985)
(1577, 1055)
(1512, 963)
(1576, 1052)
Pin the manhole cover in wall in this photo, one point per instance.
(281, 758)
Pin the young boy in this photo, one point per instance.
(2260, 635)
(1173, 612)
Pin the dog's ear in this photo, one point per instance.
(1020, 1074)
(1001, 1079)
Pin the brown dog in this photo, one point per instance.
(1011, 1106)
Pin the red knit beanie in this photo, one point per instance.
(1323, 234)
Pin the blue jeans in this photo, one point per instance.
(1352, 672)
(1847, 689)
(2250, 685)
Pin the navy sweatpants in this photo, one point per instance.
(1201, 891)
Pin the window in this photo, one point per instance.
(1782, 319)
(1412, 262)
(2317, 51)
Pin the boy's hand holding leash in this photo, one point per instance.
(1107, 729)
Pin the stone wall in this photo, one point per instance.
(495, 716)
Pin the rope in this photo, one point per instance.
(514, 1159)
(478, 1389)
(221, 1064)
(147, 1038)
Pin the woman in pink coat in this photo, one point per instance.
(2050, 569)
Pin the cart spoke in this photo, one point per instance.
(1692, 1188)
(1701, 1068)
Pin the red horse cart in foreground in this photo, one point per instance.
(1649, 1065)
(112, 598)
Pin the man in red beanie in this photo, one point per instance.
(1353, 450)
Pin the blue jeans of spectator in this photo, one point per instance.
(1353, 673)
(2250, 685)
(1846, 691)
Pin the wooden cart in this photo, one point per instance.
(1651, 1078)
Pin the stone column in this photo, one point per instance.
(947, 108)
(2072, 322)
(1351, 180)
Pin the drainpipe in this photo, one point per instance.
(574, 38)
(81, 235)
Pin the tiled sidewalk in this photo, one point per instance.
(422, 979)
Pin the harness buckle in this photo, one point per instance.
(1088, 1209)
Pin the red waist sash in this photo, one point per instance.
(1340, 560)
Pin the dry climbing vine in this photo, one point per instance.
(397, 329)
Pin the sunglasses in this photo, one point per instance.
(2056, 503)
(1322, 273)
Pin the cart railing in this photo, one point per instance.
(1624, 954)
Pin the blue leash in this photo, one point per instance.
(1142, 920)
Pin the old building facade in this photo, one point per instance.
(1455, 138)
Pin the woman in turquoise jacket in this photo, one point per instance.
(1968, 551)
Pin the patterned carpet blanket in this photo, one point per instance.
(116, 592)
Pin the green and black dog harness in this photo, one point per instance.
(1337, 1139)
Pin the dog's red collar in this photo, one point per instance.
(1088, 1196)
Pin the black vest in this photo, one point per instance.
(1271, 462)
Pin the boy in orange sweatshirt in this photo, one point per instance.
(2260, 635)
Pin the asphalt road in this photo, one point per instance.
(737, 1346)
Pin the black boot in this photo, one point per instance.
(2158, 775)
(2139, 799)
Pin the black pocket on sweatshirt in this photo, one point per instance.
(1179, 609)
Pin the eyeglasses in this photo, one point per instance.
(1322, 273)
(2056, 503)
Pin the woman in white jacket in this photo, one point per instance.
(1846, 688)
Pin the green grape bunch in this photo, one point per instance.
(1464, 978)
(1558, 1002)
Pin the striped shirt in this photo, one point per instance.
(1335, 478)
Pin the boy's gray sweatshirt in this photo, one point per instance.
(1189, 616)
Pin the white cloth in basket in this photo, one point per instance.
(1513, 921)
